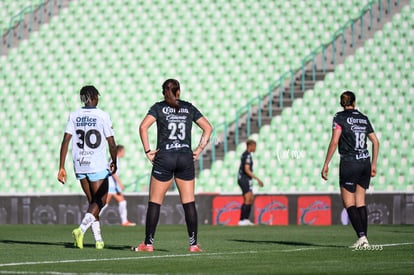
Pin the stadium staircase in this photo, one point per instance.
(28, 20)
(239, 59)
(291, 148)
(332, 58)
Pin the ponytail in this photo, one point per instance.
(347, 98)
(170, 89)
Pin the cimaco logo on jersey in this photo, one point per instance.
(85, 121)
(356, 128)
(175, 118)
(352, 121)
(169, 110)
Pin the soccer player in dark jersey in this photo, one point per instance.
(244, 179)
(350, 131)
(173, 159)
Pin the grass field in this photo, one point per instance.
(47, 249)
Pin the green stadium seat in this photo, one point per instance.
(211, 55)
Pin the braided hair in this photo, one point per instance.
(88, 94)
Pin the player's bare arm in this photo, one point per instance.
(63, 152)
(143, 133)
(333, 144)
(250, 174)
(205, 125)
(375, 149)
(112, 152)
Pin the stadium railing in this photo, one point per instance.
(279, 85)
(16, 21)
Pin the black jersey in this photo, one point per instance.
(246, 158)
(355, 129)
(174, 128)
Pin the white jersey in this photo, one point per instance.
(89, 127)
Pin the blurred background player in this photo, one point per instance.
(350, 131)
(244, 180)
(115, 190)
(173, 159)
(89, 127)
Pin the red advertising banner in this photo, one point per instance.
(271, 210)
(226, 210)
(314, 210)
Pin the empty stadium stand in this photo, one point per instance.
(292, 148)
(224, 53)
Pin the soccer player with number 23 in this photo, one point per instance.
(173, 159)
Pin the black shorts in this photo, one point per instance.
(167, 165)
(352, 173)
(246, 185)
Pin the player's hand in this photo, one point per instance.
(373, 170)
(61, 175)
(151, 155)
(113, 167)
(121, 186)
(196, 154)
(260, 183)
(324, 172)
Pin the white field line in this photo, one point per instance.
(127, 258)
(174, 256)
(396, 244)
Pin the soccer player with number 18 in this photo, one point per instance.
(350, 131)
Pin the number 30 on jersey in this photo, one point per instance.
(92, 138)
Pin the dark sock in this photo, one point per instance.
(364, 218)
(355, 218)
(190, 212)
(153, 214)
(247, 209)
(242, 211)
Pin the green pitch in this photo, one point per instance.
(47, 249)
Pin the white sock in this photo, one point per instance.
(87, 222)
(103, 209)
(96, 230)
(122, 208)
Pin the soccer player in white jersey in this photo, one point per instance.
(88, 128)
(115, 190)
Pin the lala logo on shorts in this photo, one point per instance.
(314, 210)
(226, 210)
